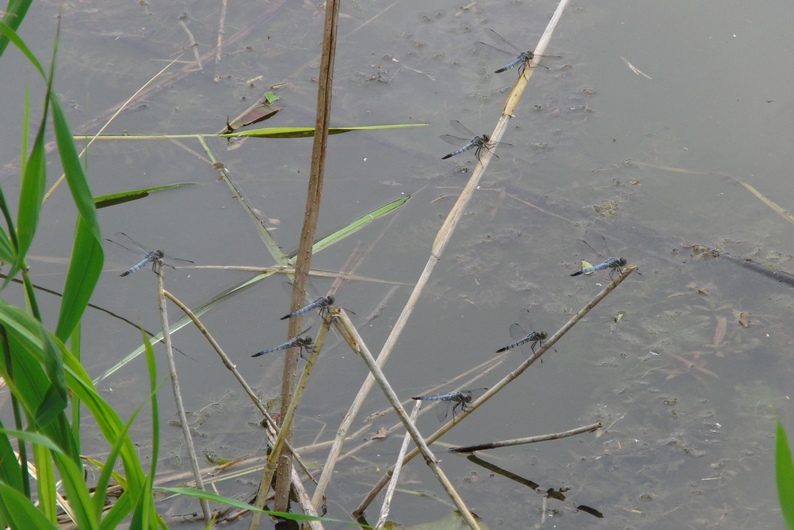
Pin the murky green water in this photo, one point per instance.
(688, 382)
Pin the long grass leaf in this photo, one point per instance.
(101, 487)
(55, 399)
(46, 482)
(784, 473)
(358, 224)
(307, 132)
(19, 512)
(85, 266)
(10, 470)
(31, 195)
(133, 195)
(76, 491)
(9, 34)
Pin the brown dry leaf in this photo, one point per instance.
(744, 319)
(380, 434)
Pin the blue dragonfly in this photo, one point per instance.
(522, 58)
(155, 257)
(323, 302)
(521, 336)
(297, 340)
(473, 141)
(613, 264)
(457, 401)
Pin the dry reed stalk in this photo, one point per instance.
(356, 343)
(385, 507)
(311, 213)
(501, 384)
(528, 440)
(180, 407)
(437, 250)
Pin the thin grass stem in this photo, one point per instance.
(386, 506)
(180, 407)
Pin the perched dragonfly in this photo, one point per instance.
(613, 264)
(522, 58)
(478, 142)
(147, 256)
(521, 336)
(323, 302)
(297, 340)
(457, 401)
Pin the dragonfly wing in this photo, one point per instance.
(127, 242)
(517, 331)
(176, 262)
(462, 129)
(502, 41)
(502, 145)
(442, 410)
(487, 48)
(455, 140)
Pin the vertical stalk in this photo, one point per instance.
(180, 407)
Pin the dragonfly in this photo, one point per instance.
(457, 401)
(297, 340)
(613, 264)
(522, 58)
(323, 302)
(521, 336)
(146, 256)
(478, 142)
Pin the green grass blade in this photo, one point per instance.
(8, 29)
(307, 132)
(358, 224)
(184, 321)
(46, 482)
(133, 195)
(31, 196)
(19, 512)
(55, 399)
(10, 470)
(784, 472)
(85, 266)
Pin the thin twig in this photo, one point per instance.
(501, 384)
(528, 440)
(221, 31)
(386, 506)
(193, 44)
(180, 407)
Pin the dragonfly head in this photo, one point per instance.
(542, 335)
(622, 262)
(329, 300)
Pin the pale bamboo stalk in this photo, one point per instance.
(386, 506)
(501, 384)
(356, 343)
(180, 407)
(437, 250)
(527, 440)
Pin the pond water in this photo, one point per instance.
(687, 383)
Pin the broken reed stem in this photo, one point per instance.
(501, 384)
(311, 213)
(437, 250)
(528, 440)
(272, 428)
(386, 506)
(180, 407)
(357, 344)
